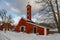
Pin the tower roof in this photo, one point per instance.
(28, 4)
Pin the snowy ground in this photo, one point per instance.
(23, 36)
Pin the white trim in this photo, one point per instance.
(32, 23)
(36, 25)
(45, 31)
(36, 30)
(22, 26)
(3, 29)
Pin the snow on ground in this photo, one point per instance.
(8, 35)
(53, 29)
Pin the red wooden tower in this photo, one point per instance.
(28, 11)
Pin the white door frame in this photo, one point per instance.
(33, 29)
(23, 27)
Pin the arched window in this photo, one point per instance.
(22, 28)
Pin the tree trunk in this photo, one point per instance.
(58, 29)
(58, 15)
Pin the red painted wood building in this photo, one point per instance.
(28, 26)
(6, 26)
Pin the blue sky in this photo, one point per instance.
(17, 9)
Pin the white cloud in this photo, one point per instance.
(19, 6)
(34, 20)
(16, 19)
(0, 19)
(35, 6)
(8, 4)
(15, 10)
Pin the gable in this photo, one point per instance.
(21, 21)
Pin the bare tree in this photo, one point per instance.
(6, 19)
(10, 20)
(56, 18)
(3, 15)
(58, 15)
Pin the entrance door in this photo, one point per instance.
(35, 30)
(22, 29)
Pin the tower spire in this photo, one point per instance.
(28, 1)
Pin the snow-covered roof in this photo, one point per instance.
(31, 22)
